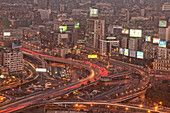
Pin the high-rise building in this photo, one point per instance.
(62, 7)
(162, 53)
(35, 1)
(42, 4)
(108, 46)
(141, 1)
(163, 61)
(124, 42)
(12, 34)
(161, 65)
(13, 59)
(94, 32)
(167, 34)
(133, 44)
(142, 12)
(44, 13)
(61, 51)
(1, 58)
(63, 38)
(150, 50)
(127, 17)
(164, 34)
(166, 7)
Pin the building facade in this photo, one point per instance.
(13, 59)
(94, 32)
(161, 65)
(107, 47)
(163, 61)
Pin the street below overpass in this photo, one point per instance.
(20, 104)
(95, 73)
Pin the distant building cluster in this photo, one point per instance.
(136, 29)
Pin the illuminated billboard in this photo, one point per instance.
(7, 34)
(162, 43)
(63, 28)
(148, 38)
(41, 70)
(126, 52)
(156, 40)
(135, 33)
(93, 12)
(139, 54)
(76, 25)
(132, 53)
(121, 51)
(111, 38)
(125, 31)
(92, 56)
(162, 23)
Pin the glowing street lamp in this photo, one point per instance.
(141, 106)
(160, 103)
(156, 108)
(76, 105)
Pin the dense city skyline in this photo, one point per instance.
(84, 56)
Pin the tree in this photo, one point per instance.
(82, 85)
(159, 92)
(5, 22)
(90, 111)
(88, 82)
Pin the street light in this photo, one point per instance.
(160, 103)
(156, 108)
(108, 106)
(126, 108)
(76, 105)
(140, 105)
(149, 111)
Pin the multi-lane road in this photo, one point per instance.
(95, 73)
(29, 100)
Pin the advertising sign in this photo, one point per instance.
(93, 12)
(92, 56)
(162, 43)
(41, 70)
(148, 38)
(126, 52)
(125, 31)
(135, 33)
(121, 51)
(111, 38)
(63, 28)
(139, 54)
(7, 34)
(162, 23)
(76, 25)
(132, 53)
(156, 40)
(81, 41)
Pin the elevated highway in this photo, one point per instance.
(95, 73)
